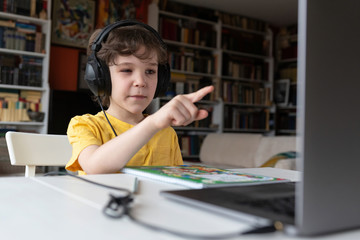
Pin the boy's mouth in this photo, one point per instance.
(138, 96)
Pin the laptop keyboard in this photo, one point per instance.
(281, 205)
(275, 201)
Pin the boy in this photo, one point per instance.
(133, 56)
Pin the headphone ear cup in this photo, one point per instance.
(105, 84)
(97, 76)
(164, 76)
(92, 74)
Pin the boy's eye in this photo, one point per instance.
(125, 70)
(150, 71)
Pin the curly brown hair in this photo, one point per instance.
(126, 41)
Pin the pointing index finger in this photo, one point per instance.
(198, 95)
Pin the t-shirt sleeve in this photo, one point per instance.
(81, 133)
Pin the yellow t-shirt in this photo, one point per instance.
(83, 131)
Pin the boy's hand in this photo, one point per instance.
(181, 110)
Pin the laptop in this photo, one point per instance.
(327, 199)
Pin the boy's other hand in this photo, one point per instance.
(181, 110)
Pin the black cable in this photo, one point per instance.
(118, 207)
(265, 229)
(99, 100)
(57, 173)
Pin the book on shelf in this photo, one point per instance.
(185, 145)
(286, 119)
(245, 67)
(187, 31)
(186, 83)
(288, 43)
(192, 60)
(9, 94)
(20, 70)
(14, 104)
(169, 29)
(25, 7)
(21, 36)
(289, 71)
(7, 23)
(190, 144)
(244, 42)
(17, 40)
(6, 128)
(247, 118)
(189, 10)
(181, 87)
(243, 22)
(235, 92)
(25, 27)
(199, 176)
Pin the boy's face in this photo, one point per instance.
(133, 84)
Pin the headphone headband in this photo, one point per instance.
(96, 46)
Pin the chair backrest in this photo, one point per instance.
(243, 150)
(272, 145)
(34, 149)
(230, 149)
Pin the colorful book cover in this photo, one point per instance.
(198, 176)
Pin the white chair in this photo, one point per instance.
(245, 150)
(33, 149)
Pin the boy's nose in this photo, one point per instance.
(139, 81)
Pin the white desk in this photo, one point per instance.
(64, 207)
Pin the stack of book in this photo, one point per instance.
(14, 104)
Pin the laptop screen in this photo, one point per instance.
(328, 115)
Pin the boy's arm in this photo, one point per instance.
(113, 155)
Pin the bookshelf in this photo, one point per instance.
(204, 48)
(286, 61)
(25, 49)
(247, 74)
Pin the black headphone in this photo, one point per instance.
(97, 74)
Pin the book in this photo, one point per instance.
(198, 176)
